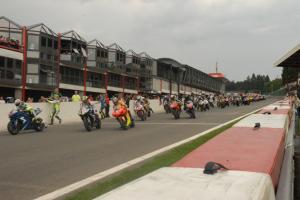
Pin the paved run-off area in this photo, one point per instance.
(33, 164)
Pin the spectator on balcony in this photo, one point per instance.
(76, 97)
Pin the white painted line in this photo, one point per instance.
(75, 186)
(170, 123)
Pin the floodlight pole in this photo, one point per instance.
(106, 82)
(123, 85)
(58, 61)
(84, 77)
(24, 66)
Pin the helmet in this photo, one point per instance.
(115, 100)
(17, 102)
(138, 98)
(84, 98)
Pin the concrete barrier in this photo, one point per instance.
(68, 112)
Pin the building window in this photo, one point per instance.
(9, 63)
(49, 57)
(74, 45)
(2, 62)
(44, 42)
(9, 75)
(18, 64)
(98, 53)
(55, 44)
(2, 73)
(50, 45)
(32, 68)
(33, 42)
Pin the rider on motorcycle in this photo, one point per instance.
(187, 100)
(176, 99)
(139, 101)
(147, 105)
(85, 102)
(24, 107)
(120, 103)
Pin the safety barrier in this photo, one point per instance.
(253, 150)
(68, 111)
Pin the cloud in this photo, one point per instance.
(244, 36)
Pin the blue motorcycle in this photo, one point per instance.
(20, 121)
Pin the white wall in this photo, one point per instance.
(11, 54)
(68, 111)
(156, 84)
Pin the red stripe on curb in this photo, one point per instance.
(243, 149)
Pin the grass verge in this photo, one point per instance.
(163, 160)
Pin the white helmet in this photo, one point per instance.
(17, 102)
(115, 100)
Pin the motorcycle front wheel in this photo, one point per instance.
(13, 130)
(39, 125)
(87, 123)
(98, 124)
(123, 123)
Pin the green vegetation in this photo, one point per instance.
(163, 160)
(272, 86)
(255, 83)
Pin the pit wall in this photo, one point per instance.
(68, 112)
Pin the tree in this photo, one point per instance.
(255, 83)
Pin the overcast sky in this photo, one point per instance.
(244, 36)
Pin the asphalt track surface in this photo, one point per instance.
(33, 164)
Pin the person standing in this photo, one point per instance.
(102, 106)
(55, 101)
(107, 100)
(76, 97)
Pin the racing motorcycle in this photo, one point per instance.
(120, 115)
(175, 109)
(190, 110)
(20, 121)
(140, 111)
(89, 117)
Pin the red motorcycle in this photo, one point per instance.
(175, 109)
(190, 110)
(123, 116)
(140, 112)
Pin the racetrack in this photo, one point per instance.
(34, 164)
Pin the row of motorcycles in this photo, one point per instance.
(175, 108)
(91, 119)
(21, 121)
